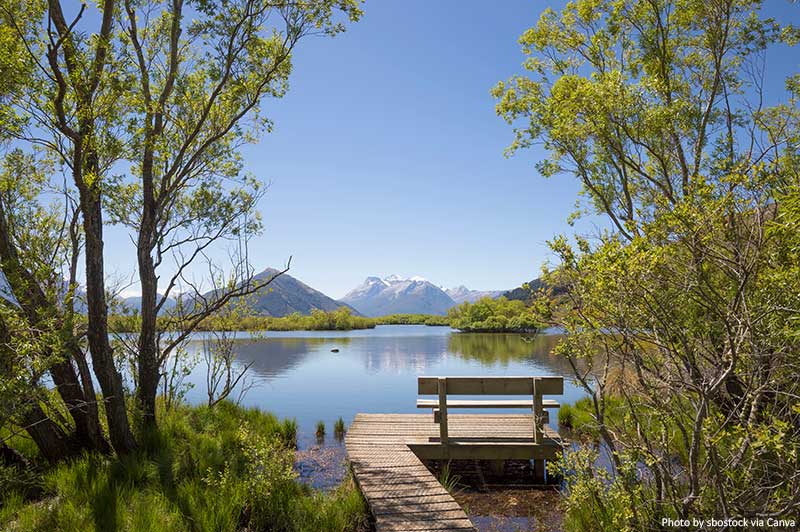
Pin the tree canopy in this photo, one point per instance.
(690, 299)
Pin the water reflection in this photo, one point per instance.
(492, 349)
(298, 375)
(273, 357)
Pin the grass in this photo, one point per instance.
(320, 429)
(219, 469)
(578, 417)
(339, 428)
(448, 480)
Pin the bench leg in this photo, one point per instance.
(498, 467)
(538, 471)
(443, 410)
(537, 412)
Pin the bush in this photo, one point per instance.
(493, 315)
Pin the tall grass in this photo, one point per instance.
(339, 428)
(580, 416)
(448, 480)
(219, 469)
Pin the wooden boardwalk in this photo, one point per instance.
(385, 450)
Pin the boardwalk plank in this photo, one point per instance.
(401, 492)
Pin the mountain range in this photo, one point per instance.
(395, 295)
(286, 295)
(374, 297)
(283, 296)
(462, 294)
(413, 295)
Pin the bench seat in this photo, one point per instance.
(484, 403)
(532, 387)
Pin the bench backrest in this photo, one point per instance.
(492, 385)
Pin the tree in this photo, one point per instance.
(190, 117)
(493, 314)
(77, 101)
(657, 107)
(144, 109)
(39, 247)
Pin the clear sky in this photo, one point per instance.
(387, 155)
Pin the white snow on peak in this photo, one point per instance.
(398, 279)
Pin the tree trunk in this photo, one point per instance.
(54, 444)
(37, 308)
(88, 432)
(11, 458)
(92, 411)
(97, 333)
(149, 373)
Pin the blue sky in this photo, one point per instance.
(387, 155)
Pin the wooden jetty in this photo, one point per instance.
(386, 453)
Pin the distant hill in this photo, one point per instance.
(461, 294)
(523, 294)
(286, 295)
(283, 296)
(395, 295)
(133, 304)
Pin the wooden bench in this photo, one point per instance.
(533, 387)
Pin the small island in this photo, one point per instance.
(493, 315)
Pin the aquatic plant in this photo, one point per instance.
(448, 480)
(339, 428)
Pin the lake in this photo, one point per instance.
(295, 374)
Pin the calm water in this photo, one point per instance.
(295, 374)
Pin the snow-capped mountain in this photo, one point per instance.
(461, 294)
(398, 295)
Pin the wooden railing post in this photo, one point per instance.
(443, 409)
(538, 417)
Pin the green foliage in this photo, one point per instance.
(204, 469)
(320, 429)
(685, 311)
(597, 500)
(493, 315)
(413, 319)
(341, 319)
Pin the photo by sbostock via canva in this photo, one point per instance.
(399, 265)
